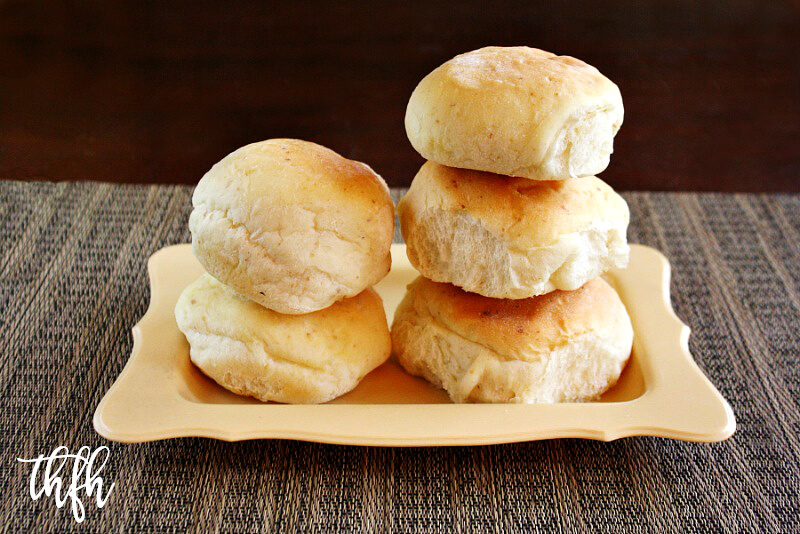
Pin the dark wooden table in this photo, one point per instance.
(159, 91)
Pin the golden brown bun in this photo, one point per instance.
(513, 238)
(292, 225)
(561, 347)
(516, 111)
(253, 351)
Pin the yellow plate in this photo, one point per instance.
(662, 392)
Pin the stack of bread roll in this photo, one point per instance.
(292, 236)
(511, 231)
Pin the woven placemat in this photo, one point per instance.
(73, 282)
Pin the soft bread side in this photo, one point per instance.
(516, 111)
(253, 351)
(506, 237)
(292, 225)
(566, 346)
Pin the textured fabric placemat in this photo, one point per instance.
(73, 282)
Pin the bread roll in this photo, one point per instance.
(309, 358)
(516, 111)
(566, 346)
(511, 237)
(292, 225)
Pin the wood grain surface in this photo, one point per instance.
(159, 91)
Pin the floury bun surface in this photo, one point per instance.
(516, 111)
(292, 225)
(253, 351)
(512, 238)
(566, 346)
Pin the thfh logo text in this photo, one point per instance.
(68, 477)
